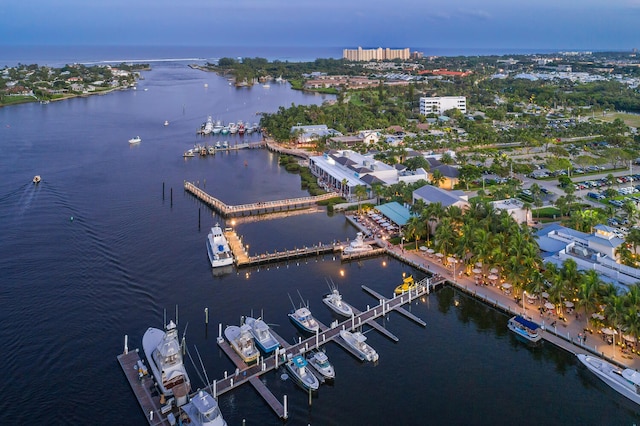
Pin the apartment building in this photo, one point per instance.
(440, 104)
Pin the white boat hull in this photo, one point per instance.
(303, 377)
(611, 375)
(262, 335)
(218, 248)
(356, 342)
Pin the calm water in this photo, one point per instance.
(95, 252)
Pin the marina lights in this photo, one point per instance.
(342, 272)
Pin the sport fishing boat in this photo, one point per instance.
(625, 382)
(262, 334)
(356, 341)
(203, 410)
(241, 341)
(318, 361)
(217, 128)
(408, 284)
(334, 301)
(297, 366)
(304, 320)
(357, 246)
(218, 248)
(164, 355)
(525, 328)
(135, 139)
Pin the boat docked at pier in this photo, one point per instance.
(241, 340)
(262, 334)
(334, 301)
(356, 341)
(525, 328)
(135, 140)
(233, 128)
(164, 355)
(203, 410)
(218, 248)
(357, 246)
(625, 382)
(217, 128)
(319, 361)
(302, 318)
(207, 127)
(297, 367)
(408, 284)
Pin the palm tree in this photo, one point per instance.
(361, 193)
(414, 229)
(343, 187)
(588, 290)
(437, 178)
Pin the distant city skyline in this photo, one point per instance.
(491, 24)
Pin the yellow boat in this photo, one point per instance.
(407, 284)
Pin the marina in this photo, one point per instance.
(340, 332)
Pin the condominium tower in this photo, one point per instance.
(440, 104)
(378, 54)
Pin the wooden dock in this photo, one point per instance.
(143, 388)
(256, 208)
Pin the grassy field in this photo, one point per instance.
(632, 120)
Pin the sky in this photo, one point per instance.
(486, 24)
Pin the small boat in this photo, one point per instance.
(225, 130)
(408, 284)
(208, 126)
(36, 179)
(166, 122)
(256, 127)
(356, 341)
(334, 301)
(217, 128)
(189, 153)
(218, 146)
(357, 246)
(241, 340)
(525, 328)
(203, 410)
(304, 320)
(297, 366)
(218, 248)
(262, 334)
(241, 128)
(211, 150)
(625, 382)
(164, 356)
(135, 140)
(225, 145)
(318, 361)
(266, 86)
(233, 128)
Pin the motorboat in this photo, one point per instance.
(319, 361)
(304, 320)
(334, 301)
(36, 179)
(218, 248)
(225, 130)
(225, 145)
(241, 128)
(166, 122)
(135, 140)
(207, 128)
(217, 128)
(189, 153)
(218, 145)
(297, 366)
(233, 128)
(356, 341)
(211, 150)
(624, 381)
(203, 410)
(241, 340)
(357, 246)
(262, 334)
(408, 284)
(525, 328)
(164, 355)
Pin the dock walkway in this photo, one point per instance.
(258, 208)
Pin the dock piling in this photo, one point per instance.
(286, 414)
(206, 316)
(126, 344)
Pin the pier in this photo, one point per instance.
(256, 208)
(157, 414)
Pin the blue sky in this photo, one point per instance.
(533, 24)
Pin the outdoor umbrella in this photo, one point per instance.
(549, 305)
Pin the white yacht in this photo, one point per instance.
(218, 248)
(217, 128)
(334, 301)
(356, 341)
(625, 382)
(318, 361)
(525, 328)
(207, 128)
(262, 334)
(135, 139)
(304, 320)
(241, 340)
(358, 245)
(203, 410)
(233, 128)
(164, 355)
(297, 366)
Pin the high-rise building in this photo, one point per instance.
(378, 54)
(440, 104)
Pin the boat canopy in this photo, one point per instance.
(525, 322)
(299, 361)
(632, 376)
